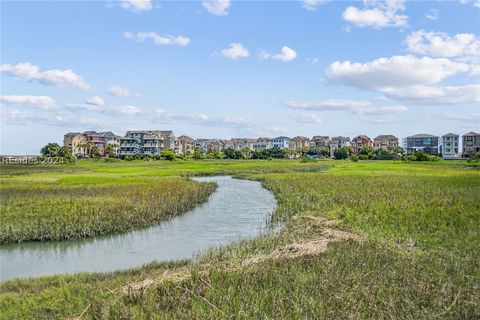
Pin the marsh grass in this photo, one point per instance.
(418, 257)
(53, 211)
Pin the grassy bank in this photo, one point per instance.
(361, 240)
(43, 210)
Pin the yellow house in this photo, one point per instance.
(74, 141)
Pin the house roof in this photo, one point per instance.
(385, 136)
(340, 138)
(361, 136)
(282, 138)
(184, 137)
(471, 133)
(450, 134)
(301, 138)
(72, 133)
(423, 135)
(106, 134)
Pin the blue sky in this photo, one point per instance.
(238, 68)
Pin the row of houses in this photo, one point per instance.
(151, 142)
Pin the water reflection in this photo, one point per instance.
(237, 210)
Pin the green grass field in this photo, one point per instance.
(360, 240)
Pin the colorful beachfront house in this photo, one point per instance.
(102, 139)
(319, 142)
(385, 142)
(470, 143)
(338, 142)
(185, 145)
(449, 146)
(75, 141)
(141, 142)
(422, 142)
(299, 143)
(209, 145)
(242, 143)
(263, 143)
(359, 142)
(280, 142)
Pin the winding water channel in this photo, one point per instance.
(238, 209)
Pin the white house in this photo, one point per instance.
(280, 142)
(449, 146)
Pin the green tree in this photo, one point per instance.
(112, 149)
(246, 153)
(215, 154)
(51, 149)
(198, 154)
(64, 152)
(322, 152)
(231, 153)
(341, 153)
(95, 151)
(168, 155)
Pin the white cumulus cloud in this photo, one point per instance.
(157, 39)
(217, 7)
(39, 102)
(312, 5)
(136, 5)
(235, 51)
(30, 72)
(124, 110)
(354, 106)
(396, 71)
(286, 54)
(440, 44)
(120, 91)
(95, 101)
(435, 95)
(475, 3)
(408, 78)
(377, 14)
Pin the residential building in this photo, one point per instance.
(168, 139)
(338, 142)
(242, 143)
(385, 141)
(280, 142)
(209, 145)
(470, 143)
(75, 142)
(421, 142)
(142, 142)
(359, 142)
(152, 143)
(99, 139)
(449, 146)
(263, 143)
(299, 143)
(186, 144)
(321, 141)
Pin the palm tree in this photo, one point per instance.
(88, 146)
(111, 149)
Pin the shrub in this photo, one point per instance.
(474, 157)
(341, 153)
(168, 155)
(354, 158)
